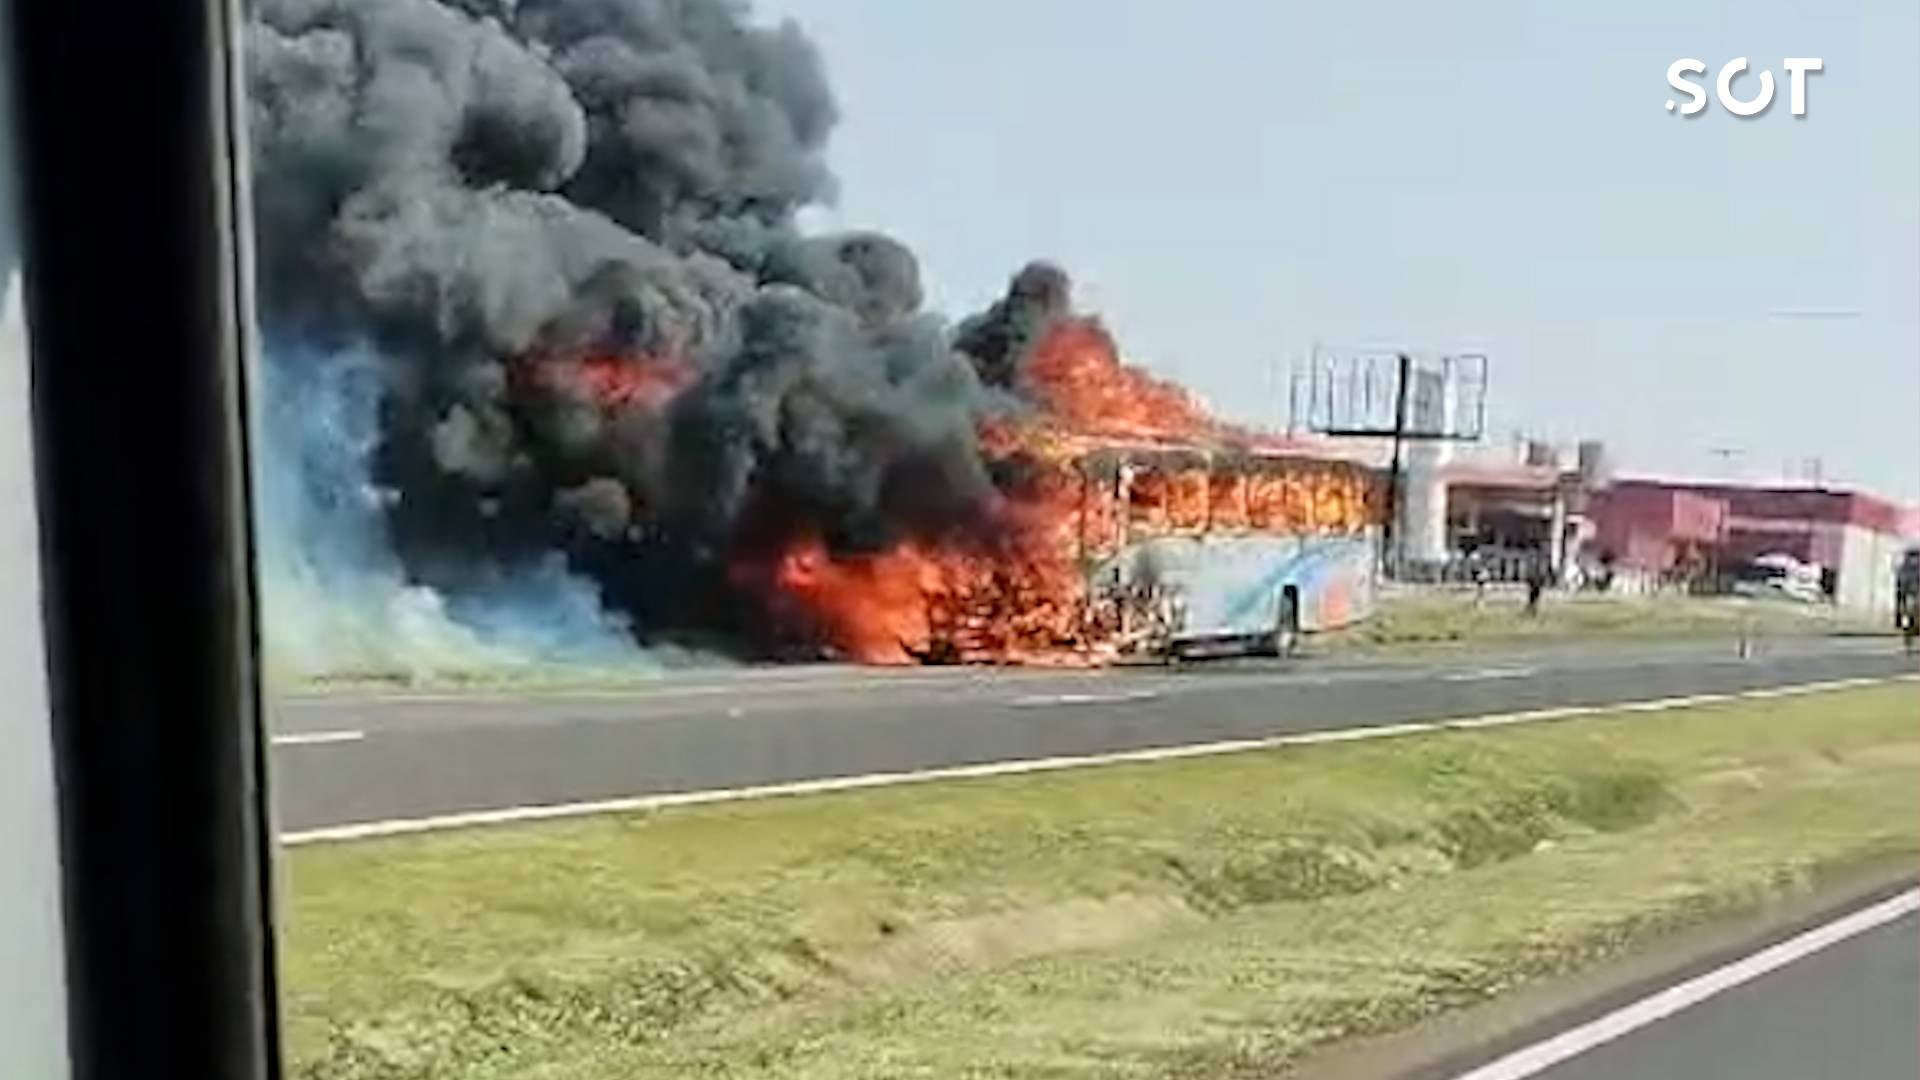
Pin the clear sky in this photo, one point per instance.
(1231, 181)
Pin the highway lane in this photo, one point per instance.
(345, 759)
(1849, 1010)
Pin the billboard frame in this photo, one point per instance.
(1400, 430)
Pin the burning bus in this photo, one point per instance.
(1188, 548)
(1121, 519)
(1104, 548)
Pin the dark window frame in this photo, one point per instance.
(136, 244)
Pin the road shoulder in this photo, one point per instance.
(1450, 1044)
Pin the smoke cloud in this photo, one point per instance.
(535, 262)
(339, 603)
(1000, 339)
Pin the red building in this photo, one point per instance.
(1655, 529)
(1659, 527)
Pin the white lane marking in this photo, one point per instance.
(1493, 674)
(318, 738)
(1359, 734)
(665, 687)
(638, 803)
(1541, 1056)
(1034, 701)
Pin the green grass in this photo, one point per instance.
(1444, 616)
(1202, 918)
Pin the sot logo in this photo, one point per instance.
(1796, 68)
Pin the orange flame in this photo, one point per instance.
(1076, 372)
(1014, 598)
(612, 379)
(871, 609)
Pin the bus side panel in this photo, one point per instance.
(1231, 585)
(1338, 589)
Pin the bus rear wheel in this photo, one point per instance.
(1284, 641)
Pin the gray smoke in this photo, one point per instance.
(468, 188)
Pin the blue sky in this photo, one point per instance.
(1232, 182)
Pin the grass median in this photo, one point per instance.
(1199, 918)
(1446, 616)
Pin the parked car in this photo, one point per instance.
(1779, 577)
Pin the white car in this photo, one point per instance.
(1779, 577)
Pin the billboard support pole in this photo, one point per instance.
(1353, 417)
(1388, 562)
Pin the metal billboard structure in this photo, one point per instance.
(1359, 394)
(1396, 395)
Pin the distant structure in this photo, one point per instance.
(1423, 504)
(1464, 511)
(1653, 529)
(1497, 512)
(1413, 409)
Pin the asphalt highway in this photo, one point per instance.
(344, 759)
(1849, 1010)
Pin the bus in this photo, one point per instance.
(1190, 550)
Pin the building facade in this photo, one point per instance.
(1682, 529)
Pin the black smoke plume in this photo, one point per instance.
(491, 198)
(999, 339)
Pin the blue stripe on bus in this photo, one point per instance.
(1262, 596)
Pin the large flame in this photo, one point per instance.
(1076, 373)
(1011, 596)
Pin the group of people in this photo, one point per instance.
(1538, 577)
